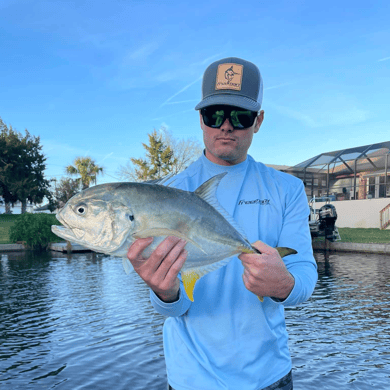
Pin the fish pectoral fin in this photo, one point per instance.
(127, 265)
(284, 251)
(261, 299)
(189, 279)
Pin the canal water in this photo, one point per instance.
(79, 322)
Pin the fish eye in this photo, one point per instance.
(131, 217)
(81, 209)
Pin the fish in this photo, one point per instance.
(109, 217)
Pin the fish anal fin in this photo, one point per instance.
(189, 279)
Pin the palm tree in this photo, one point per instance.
(86, 168)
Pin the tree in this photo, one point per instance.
(177, 154)
(86, 168)
(9, 151)
(185, 151)
(66, 188)
(159, 159)
(22, 167)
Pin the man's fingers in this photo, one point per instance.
(262, 247)
(178, 264)
(167, 255)
(135, 251)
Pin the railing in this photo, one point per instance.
(384, 216)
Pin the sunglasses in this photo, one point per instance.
(239, 118)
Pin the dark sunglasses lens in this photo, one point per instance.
(215, 116)
(242, 119)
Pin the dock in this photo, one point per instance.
(72, 248)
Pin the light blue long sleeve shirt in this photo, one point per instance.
(227, 338)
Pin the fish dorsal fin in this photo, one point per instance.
(191, 276)
(208, 190)
(162, 181)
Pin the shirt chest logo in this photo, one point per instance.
(261, 202)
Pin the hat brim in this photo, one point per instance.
(229, 100)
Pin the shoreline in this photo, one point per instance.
(317, 246)
(356, 247)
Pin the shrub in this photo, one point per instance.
(34, 230)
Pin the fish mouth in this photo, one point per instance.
(67, 233)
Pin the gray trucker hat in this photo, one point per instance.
(234, 82)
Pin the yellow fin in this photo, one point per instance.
(244, 249)
(261, 299)
(283, 251)
(189, 279)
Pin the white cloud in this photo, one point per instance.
(182, 90)
(141, 53)
(183, 101)
(171, 115)
(331, 113)
(384, 59)
(279, 85)
(105, 157)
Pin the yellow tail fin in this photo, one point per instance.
(189, 279)
(192, 276)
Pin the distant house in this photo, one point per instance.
(361, 172)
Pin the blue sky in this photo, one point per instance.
(92, 78)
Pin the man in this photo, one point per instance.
(227, 338)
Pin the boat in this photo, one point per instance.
(322, 221)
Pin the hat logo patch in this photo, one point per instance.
(229, 76)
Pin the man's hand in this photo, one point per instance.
(265, 274)
(160, 270)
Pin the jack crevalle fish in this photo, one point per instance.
(108, 218)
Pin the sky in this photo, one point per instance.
(93, 78)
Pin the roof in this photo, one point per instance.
(368, 158)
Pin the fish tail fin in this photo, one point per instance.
(189, 279)
(284, 251)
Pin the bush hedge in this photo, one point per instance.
(34, 230)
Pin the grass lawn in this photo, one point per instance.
(347, 234)
(365, 236)
(6, 221)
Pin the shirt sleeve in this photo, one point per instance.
(295, 234)
(173, 309)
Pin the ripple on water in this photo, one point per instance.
(76, 321)
(340, 335)
(80, 322)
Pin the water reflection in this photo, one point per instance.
(340, 337)
(78, 321)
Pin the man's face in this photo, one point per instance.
(226, 146)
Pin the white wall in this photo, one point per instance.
(362, 213)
